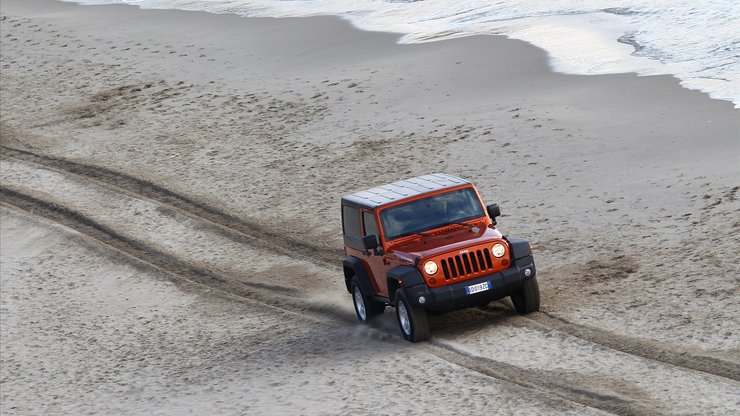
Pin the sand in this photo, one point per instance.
(626, 185)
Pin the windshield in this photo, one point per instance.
(430, 213)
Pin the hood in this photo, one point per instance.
(456, 239)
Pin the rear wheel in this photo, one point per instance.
(527, 299)
(411, 319)
(366, 308)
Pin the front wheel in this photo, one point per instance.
(411, 319)
(527, 299)
(366, 308)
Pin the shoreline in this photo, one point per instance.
(560, 60)
(398, 35)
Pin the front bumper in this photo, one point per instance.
(453, 296)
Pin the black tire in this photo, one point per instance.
(366, 307)
(527, 299)
(415, 328)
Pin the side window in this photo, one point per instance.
(371, 228)
(351, 222)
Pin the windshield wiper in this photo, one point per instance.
(464, 224)
(421, 233)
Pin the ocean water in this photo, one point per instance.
(698, 41)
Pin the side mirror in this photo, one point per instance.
(493, 211)
(370, 242)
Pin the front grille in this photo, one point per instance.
(474, 261)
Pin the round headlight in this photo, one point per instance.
(430, 267)
(498, 250)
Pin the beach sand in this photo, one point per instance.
(627, 187)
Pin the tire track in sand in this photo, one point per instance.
(261, 237)
(547, 382)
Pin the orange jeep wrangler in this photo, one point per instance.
(427, 244)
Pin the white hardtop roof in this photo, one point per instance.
(407, 188)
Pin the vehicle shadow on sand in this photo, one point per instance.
(446, 325)
(467, 321)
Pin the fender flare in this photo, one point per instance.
(519, 248)
(354, 267)
(402, 276)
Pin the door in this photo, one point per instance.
(378, 264)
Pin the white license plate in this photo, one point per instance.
(480, 287)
